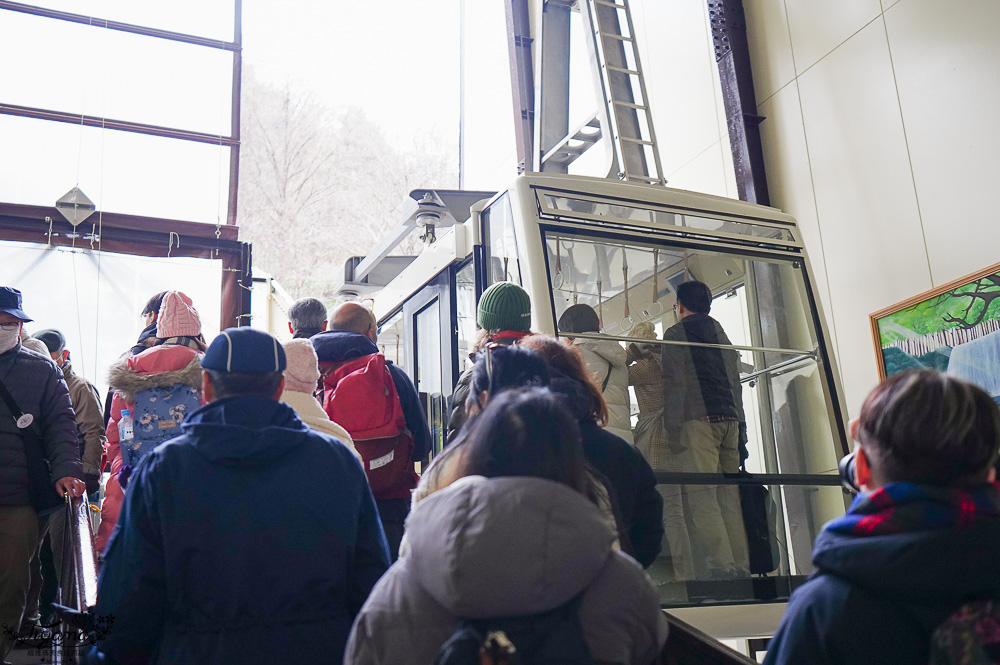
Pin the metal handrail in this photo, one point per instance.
(670, 342)
(798, 479)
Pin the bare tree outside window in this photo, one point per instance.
(319, 185)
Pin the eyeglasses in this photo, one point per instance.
(10, 327)
(489, 350)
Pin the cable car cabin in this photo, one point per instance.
(732, 537)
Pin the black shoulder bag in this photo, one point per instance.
(41, 492)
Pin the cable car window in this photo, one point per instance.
(763, 307)
(498, 232)
(465, 294)
(583, 208)
(391, 340)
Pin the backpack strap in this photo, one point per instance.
(604, 386)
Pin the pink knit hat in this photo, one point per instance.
(302, 371)
(177, 317)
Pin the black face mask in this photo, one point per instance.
(848, 473)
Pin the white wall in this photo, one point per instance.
(879, 140)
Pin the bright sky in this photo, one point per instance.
(396, 59)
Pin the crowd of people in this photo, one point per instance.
(261, 500)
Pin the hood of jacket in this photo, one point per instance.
(928, 567)
(572, 393)
(338, 345)
(486, 547)
(158, 367)
(609, 350)
(245, 431)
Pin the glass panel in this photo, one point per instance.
(647, 214)
(391, 340)
(752, 359)
(120, 171)
(193, 17)
(631, 282)
(428, 342)
(114, 74)
(94, 298)
(465, 292)
(498, 230)
(708, 525)
(427, 324)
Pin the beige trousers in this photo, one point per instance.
(716, 518)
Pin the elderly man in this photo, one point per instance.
(306, 317)
(249, 538)
(36, 421)
(354, 334)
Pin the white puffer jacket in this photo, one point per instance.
(602, 356)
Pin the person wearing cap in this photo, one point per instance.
(171, 361)
(504, 317)
(301, 381)
(40, 395)
(250, 538)
(86, 404)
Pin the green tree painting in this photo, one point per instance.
(965, 308)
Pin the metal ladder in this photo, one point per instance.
(625, 111)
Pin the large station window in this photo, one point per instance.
(766, 351)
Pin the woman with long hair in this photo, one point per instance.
(513, 535)
(628, 475)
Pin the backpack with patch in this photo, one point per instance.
(157, 416)
(361, 397)
(970, 636)
(548, 638)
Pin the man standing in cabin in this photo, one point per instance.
(706, 430)
(248, 538)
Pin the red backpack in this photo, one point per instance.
(361, 397)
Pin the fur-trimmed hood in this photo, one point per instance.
(158, 367)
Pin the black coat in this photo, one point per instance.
(631, 480)
(39, 388)
(699, 381)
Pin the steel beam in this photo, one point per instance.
(521, 79)
(118, 25)
(119, 125)
(732, 54)
(552, 92)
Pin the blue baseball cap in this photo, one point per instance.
(10, 302)
(244, 349)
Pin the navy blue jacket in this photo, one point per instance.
(339, 345)
(250, 538)
(878, 599)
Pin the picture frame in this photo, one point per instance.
(954, 327)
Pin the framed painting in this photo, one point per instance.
(954, 328)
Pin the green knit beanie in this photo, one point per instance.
(505, 306)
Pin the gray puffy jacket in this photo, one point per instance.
(507, 546)
(38, 387)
